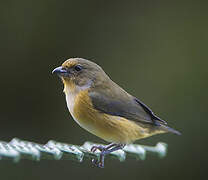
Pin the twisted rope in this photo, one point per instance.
(17, 149)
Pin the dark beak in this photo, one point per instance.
(59, 71)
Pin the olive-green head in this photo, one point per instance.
(79, 71)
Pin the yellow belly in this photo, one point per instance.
(110, 128)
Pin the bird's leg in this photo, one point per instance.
(101, 148)
(104, 151)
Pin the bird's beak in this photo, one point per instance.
(60, 71)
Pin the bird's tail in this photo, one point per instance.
(169, 129)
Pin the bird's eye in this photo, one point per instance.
(78, 67)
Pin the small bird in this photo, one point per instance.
(103, 108)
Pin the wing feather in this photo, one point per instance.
(125, 106)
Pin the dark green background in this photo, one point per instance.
(156, 50)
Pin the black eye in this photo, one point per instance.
(78, 67)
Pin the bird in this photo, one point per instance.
(103, 108)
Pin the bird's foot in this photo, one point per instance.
(97, 163)
(104, 151)
(99, 147)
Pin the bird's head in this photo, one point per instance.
(80, 72)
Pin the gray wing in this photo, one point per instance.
(128, 107)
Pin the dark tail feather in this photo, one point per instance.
(165, 128)
(169, 129)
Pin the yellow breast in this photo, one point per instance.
(107, 127)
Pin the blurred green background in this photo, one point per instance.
(156, 50)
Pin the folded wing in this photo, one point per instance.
(125, 106)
